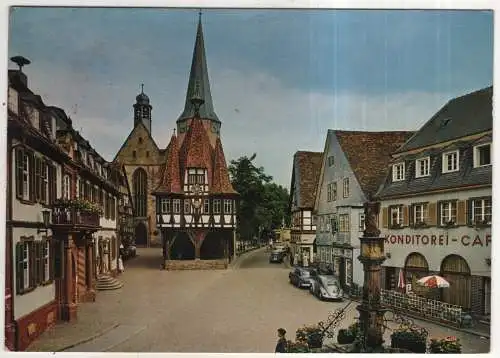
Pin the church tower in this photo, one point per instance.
(142, 110)
(199, 84)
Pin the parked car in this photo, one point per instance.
(326, 287)
(276, 256)
(129, 252)
(300, 277)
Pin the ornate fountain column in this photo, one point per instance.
(372, 256)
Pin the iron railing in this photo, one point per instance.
(70, 216)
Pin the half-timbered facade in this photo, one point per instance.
(353, 166)
(49, 242)
(437, 204)
(305, 174)
(195, 201)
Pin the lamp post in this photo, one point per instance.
(46, 222)
(371, 313)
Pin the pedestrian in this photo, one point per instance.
(281, 345)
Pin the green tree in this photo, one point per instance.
(262, 203)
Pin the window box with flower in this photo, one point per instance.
(409, 339)
(445, 345)
(312, 334)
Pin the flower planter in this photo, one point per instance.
(410, 340)
(449, 345)
(345, 337)
(315, 342)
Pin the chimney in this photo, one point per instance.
(18, 74)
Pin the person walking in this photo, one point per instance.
(281, 345)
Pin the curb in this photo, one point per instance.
(236, 263)
(88, 339)
(464, 330)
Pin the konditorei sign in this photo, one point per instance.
(483, 240)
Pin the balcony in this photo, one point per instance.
(75, 216)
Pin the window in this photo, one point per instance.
(450, 162)
(482, 155)
(140, 192)
(396, 216)
(422, 167)
(200, 178)
(66, 186)
(331, 160)
(398, 172)
(346, 188)
(362, 222)
(34, 116)
(420, 213)
(334, 224)
(33, 264)
(140, 140)
(344, 223)
(177, 206)
(46, 260)
(217, 204)
(206, 206)
(187, 206)
(332, 192)
(448, 213)
(165, 205)
(192, 179)
(134, 154)
(228, 206)
(481, 211)
(24, 263)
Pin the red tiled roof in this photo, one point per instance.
(369, 154)
(221, 183)
(170, 181)
(307, 166)
(196, 151)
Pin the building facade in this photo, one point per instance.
(354, 163)
(50, 243)
(305, 174)
(436, 204)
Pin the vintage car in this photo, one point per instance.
(326, 287)
(300, 277)
(276, 256)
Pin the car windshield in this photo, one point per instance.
(306, 273)
(330, 282)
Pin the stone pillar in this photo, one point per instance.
(372, 256)
(69, 307)
(89, 263)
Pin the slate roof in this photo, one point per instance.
(306, 169)
(461, 116)
(199, 77)
(369, 154)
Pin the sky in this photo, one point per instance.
(279, 78)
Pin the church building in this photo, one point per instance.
(182, 195)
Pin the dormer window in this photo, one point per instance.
(450, 161)
(34, 116)
(398, 172)
(331, 160)
(482, 155)
(422, 167)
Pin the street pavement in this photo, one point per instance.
(230, 311)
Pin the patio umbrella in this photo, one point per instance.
(401, 281)
(434, 281)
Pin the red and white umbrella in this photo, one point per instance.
(434, 281)
(401, 281)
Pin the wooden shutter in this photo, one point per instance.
(19, 268)
(51, 179)
(19, 171)
(385, 217)
(411, 214)
(32, 264)
(38, 179)
(432, 214)
(31, 176)
(52, 260)
(38, 262)
(461, 218)
(45, 178)
(469, 215)
(405, 215)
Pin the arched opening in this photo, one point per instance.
(416, 267)
(213, 247)
(141, 235)
(182, 248)
(456, 271)
(140, 185)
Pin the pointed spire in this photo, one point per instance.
(199, 74)
(170, 180)
(221, 182)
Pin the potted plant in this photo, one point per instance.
(445, 345)
(312, 334)
(347, 336)
(409, 339)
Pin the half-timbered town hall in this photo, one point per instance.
(183, 195)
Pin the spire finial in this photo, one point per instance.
(142, 87)
(199, 15)
(174, 131)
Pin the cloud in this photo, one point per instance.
(259, 113)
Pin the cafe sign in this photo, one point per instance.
(439, 240)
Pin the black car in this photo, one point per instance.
(276, 256)
(300, 277)
(326, 287)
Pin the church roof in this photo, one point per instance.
(221, 182)
(199, 75)
(170, 180)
